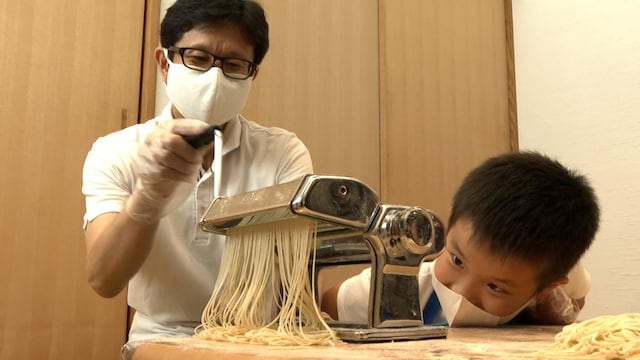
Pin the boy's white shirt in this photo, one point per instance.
(579, 282)
(353, 295)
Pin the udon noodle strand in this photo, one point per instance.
(240, 308)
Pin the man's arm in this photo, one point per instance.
(117, 246)
(118, 243)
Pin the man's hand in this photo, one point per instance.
(166, 166)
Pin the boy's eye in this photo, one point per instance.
(456, 261)
(495, 288)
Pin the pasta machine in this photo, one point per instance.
(353, 226)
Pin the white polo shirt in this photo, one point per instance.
(175, 283)
(353, 294)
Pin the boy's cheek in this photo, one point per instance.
(440, 270)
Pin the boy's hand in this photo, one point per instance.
(556, 308)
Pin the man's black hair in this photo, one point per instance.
(185, 15)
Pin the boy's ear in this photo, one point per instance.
(549, 288)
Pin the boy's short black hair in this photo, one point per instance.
(185, 15)
(529, 206)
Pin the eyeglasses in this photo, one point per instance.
(200, 60)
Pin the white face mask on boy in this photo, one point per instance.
(461, 312)
(208, 96)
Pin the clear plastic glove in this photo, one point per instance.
(556, 309)
(166, 167)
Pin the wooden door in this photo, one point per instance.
(320, 80)
(70, 72)
(407, 95)
(447, 95)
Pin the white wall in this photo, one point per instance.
(578, 94)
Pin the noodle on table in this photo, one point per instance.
(603, 337)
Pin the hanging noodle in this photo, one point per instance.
(239, 309)
(603, 337)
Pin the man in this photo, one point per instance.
(146, 188)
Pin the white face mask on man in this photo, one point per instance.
(208, 96)
(461, 312)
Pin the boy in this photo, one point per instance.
(519, 224)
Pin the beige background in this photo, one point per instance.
(578, 70)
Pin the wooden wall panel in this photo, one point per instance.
(320, 80)
(149, 71)
(70, 72)
(444, 95)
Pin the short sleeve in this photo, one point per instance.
(579, 282)
(353, 298)
(107, 176)
(296, 161)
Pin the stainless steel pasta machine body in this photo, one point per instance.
(352, 226)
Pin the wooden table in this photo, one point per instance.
(508, 342)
